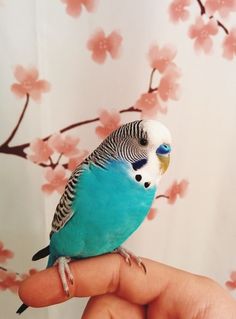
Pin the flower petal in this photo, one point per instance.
(18, 90)
(114, 42)
(90, 5)
(20, 73)
(97, 36)
(152, 214)
(73, 7)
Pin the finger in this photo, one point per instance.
(157, 309)
(110, 306)
(96, 276)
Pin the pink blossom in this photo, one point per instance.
(177, 10)
(161, 58)
(9, 281)
(202, 33)
(74, 7)
(56, 180)
(5, 253)
(231, 284)
(150, 104)
(152, 213)
(224, 7)
(168, 87)
(41, 151)
(110, 121)
(229, 45)
(75, 161)
(100, 45)
(176, 189)
(66, 145)
(29, 83)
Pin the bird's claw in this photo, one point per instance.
(128, 260)
(142, 265)
(128, 256)
(68, 272)
(64, 273)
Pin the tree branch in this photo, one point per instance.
(202, 8)
(203, 11)
(18, 150)
(162, 196)
(150, 89)
(223, 27)
(7, 270)
(96, 119)
(18, 123)
(59, 158)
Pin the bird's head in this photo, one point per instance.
(143, 142)
(158, 142)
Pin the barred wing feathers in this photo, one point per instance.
(64, 208)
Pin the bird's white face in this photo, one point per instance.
(157, 133)
(158, 148)
(159, 143)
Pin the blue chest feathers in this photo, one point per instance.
(109, 206)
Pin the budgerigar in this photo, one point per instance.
(108, 196)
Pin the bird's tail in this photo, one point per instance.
(41, 253)
(22, 308)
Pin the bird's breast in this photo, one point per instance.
(113, 196)
(109, 206)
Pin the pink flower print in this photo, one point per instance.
(41, 151)
(75, 161)
(231, 284)
(177, 10)
(66, 145)
(56, 180)
(202, 33)
(229, 45)
(100, 45)
(149, 104)
(110, 122)
(161, 58)
(29, 83)
(9, 281)
(152, 213)
(176, 189)
(74, 7)
(224, 7)
(5, 253)
(168, 87)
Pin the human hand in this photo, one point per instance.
(120, 291)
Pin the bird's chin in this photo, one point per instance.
(164, 162)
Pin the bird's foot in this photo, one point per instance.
(65, 272)
(129, 256)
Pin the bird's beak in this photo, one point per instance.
(163, 154)
(164, 162)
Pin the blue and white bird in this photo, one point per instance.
(108, 196)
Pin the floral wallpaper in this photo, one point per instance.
(81, 68)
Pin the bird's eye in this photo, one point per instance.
(143, 141)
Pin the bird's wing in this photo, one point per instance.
(64, 210)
